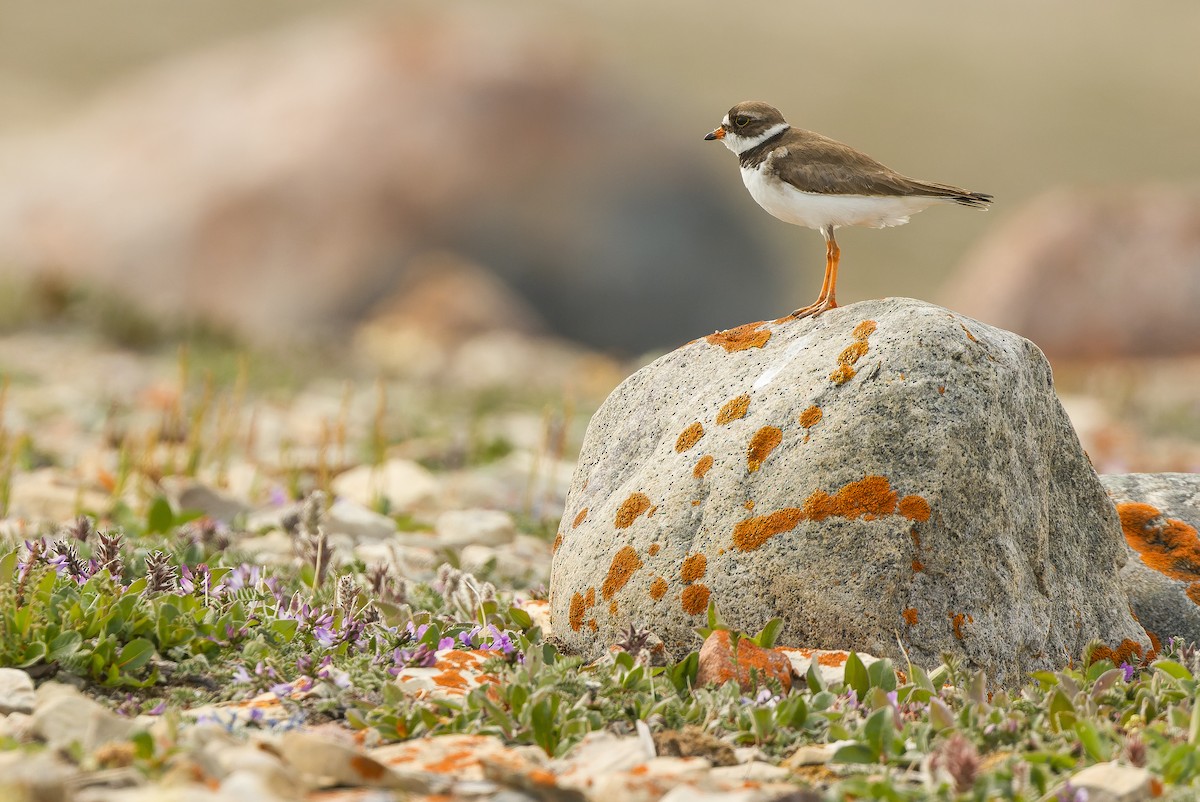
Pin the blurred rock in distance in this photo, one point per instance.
(453, 320)
(1092, 274)
(281, 184)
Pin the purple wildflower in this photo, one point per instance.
(241, 676)
(1129, 671)
(445, 643)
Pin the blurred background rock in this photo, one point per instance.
(291, 171)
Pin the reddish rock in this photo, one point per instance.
(1085, 273)
(718, 664)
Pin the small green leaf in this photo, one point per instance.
(813, 678)
(878, 730)
(8, 568)
(520, 618)
(135, 654)
(1091, 741)
(143, 745)
(160, 518)
(1173, 669)
(856, 676)
(768, 635)
(63, 646)
(854, 753)
(34, 653)
(939, 715)
(882, 674)
(1194, 726)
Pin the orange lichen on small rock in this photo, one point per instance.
(689, 436)
(917, 566)
(650, 512)
(658, 588)
(1124, 653)
(702, 466)
(557, 542)
(745, 336)
(631, 508)
(910, 616)
(915, 508)
(624, 563)
(695, 599)
(863, 330)
(749, 666)
(579, 518)
(654, 548)
(958, 619)
(612, 607)
(693, 567)
(1169, 546)
(764, 441)
(810, 417)
(970, 336)
(734, 409)
(853, 352)
(580, 604)
(592, 625)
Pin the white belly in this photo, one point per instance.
(816, 210)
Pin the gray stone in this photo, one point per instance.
(886, 469)
(16, 691)
(1113, 782)
(458, 528)
(404, 484)
(64, 716)
(1160, 516)
(188, 494)
(345, 517)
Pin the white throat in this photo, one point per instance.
(741, 144)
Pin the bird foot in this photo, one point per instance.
(814, 309)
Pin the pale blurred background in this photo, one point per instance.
(404, 178)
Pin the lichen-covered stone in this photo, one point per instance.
(1160, 517)
(940, 497)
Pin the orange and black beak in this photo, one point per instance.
(717, 134)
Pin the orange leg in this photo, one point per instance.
(828, 298)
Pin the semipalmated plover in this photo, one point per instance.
(811, 180)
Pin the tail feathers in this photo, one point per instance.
(975, 200)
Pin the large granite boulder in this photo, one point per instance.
(887, 473)
(1160, 516)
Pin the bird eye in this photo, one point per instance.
(741, 120)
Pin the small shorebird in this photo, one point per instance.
(811, 180)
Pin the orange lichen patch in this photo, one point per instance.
(612, 607)
(734, 409)
(557, 542)
(693, 568)
(941, 389)
(453, 762)
(863, 330)
(695, 599)
(579, 518)
(870, 496)
(916, 537)
(917, 566)
(764, 441)
(1193, 592)
(740, 338)
(843, 374)
(689, 436)
(810, 417)
(915, 508)
(696, 502)
(592, 625)
(750, 665)
(1155, 646)
(650, 512)
(366, 768)
(1124, 653)
(702, 466)
(631, 508)
(910, 616)
(958, 619)
(579, 606)
(450, 678)
(658, 588)
(624, 563)
(1169, 546)
(654, 549)
(853, 352)
(970, 336)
